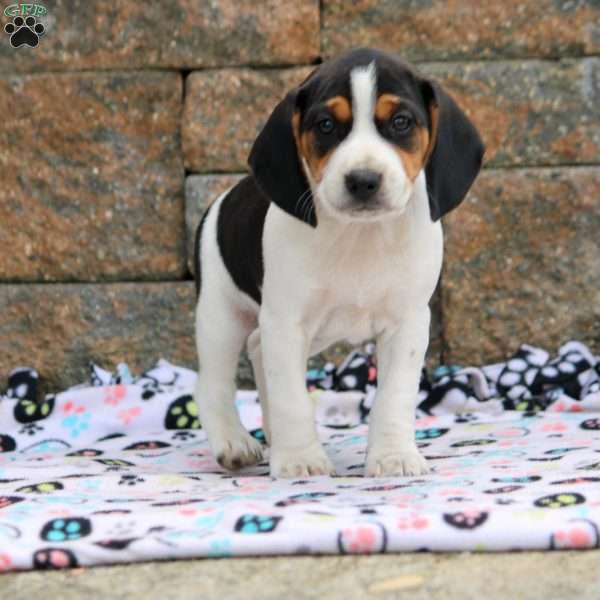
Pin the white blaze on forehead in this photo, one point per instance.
(363, 83)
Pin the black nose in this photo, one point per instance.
(363, 184)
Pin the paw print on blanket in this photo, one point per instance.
(46, 487)
(517, 479)
(182, 414)
(468, 519)
(22, 386)
(7, 444)
(114, 464)
(64, 530)
(256, 524)
(579, 533)
(28, 411)
(86, 452)
(54, 558)
(564, 500)
(77, 420)
(6, 501)
(364, 538)
(431, 433)
(477, 442)
(183, 436)
(30, 429)
(307, 498)
(413, 521)
(149, 445)
(131, 480)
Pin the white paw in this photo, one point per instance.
(400, 462)
(310, 461)
(237, 451)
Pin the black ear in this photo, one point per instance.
(275, 163)
(455, 154)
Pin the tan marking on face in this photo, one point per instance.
(305, 143)
(340, 108)
(414, 159)
(386, 105)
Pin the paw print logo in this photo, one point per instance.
(24, 32)
(62, 530)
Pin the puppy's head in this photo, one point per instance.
(353, 137)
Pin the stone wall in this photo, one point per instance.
(129, 117)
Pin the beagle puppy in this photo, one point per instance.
(335, 235)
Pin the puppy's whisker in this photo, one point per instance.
(309, 207)
(304, 204)
(302, 198)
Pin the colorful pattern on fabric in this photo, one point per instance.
(117, 470)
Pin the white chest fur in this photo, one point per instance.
(350, 280)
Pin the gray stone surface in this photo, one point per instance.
(58, 329)
(176, 34)
(522, 264)
(92, 177)
(225, 110)
(528, 112)
(461, 576)
(464, 29)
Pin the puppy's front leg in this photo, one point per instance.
(400, 354)
(295, 447)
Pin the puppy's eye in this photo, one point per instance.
(402, 122)
(326, 125)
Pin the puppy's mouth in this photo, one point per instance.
(375, 208)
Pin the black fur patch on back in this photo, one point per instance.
(197, 269)
(239, 235)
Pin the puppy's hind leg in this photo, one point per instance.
(221, 331)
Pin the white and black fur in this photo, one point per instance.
(334, 236)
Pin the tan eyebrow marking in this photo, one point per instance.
(340, 107)
(415, 158)
(386, 105)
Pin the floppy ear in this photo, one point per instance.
(455, 153)
(275, 163)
